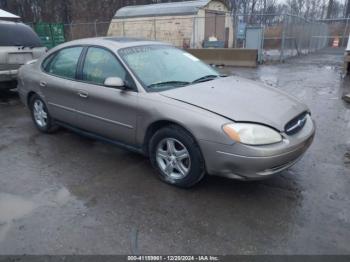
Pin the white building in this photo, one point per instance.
(184, 24)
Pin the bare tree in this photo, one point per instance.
(296, 7)
(323, 9)
(330, 9)
(347, 10)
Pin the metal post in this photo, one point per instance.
(345, 30)
(95, 26)
(283, 38)
(123, 28)
(215, 25)
(71, 31)
(193, 44)
(310, 37)
(261, 51)
(52, 39)
(301, 37)
(235, 25)
(155, 28)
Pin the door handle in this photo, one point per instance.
(83, 94)
(43, 84)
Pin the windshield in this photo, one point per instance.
(163, 67)
(18, 34)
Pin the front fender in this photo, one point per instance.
(202, 124)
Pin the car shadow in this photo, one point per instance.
(283, 184)
(7, 96)
(139, 171)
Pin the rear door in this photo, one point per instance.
(59, 83)
(106, 111)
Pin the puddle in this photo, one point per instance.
(328, 67)
(269, 76)
(14, 207)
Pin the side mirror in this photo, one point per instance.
(116, 82)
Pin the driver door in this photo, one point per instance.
(106, 111)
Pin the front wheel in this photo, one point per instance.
(41, 116)
(177, 157)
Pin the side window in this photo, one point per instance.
(100, 64)
(46, 63)
(65, 62)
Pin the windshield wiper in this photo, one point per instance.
(205, 78)
(169, 83)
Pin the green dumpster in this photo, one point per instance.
(50, 34)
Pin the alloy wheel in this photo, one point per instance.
(173, 158)
(40, 114)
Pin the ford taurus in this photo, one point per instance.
(163, 102)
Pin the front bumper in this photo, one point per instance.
(245, 162)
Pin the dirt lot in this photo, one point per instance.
(65, 194)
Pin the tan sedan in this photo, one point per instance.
(163, 102)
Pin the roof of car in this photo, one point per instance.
(161, 9)
(124, 39)
(18, 34)
(117, 42)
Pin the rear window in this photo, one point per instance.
(18, 34)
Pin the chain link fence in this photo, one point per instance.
(283, 36)
(339, 30)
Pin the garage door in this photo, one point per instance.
(215, 25)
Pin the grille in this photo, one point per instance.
(296, 124)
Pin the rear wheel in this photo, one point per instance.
(40, 115)
(177, 157)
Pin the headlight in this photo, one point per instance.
(252, 134)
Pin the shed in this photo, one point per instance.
(4, 15)
(184, 24)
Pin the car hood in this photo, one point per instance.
(241, 99)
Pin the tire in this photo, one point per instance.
(176, 156)
(41, 116)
